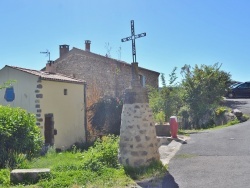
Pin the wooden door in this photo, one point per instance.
(49, 130)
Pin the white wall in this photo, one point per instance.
(68, 111)
(24, 88)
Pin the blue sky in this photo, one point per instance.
(179, 32)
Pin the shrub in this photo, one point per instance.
(168, 100)
(160, 117)
(204, 87)
(156, 102)
(20, 138)
(103, 154)
(220, 110)
(4, 177)
(233, 122)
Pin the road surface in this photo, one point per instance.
(214, 159)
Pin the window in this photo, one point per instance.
(65, 91)
(142, 80)
(243, 86)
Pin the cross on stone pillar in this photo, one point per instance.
(135, 76)
(138, 144)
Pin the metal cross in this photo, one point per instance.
(133, 37)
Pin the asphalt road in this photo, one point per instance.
(214, 159)
(241, 104)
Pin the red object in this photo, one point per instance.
(173, 126)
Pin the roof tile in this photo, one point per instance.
(44, 75)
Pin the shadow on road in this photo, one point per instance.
(167, 182)
(234, 104)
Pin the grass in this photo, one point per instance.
(155, 169)
(96, 167)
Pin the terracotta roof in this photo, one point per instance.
(49, 75)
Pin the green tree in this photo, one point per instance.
(204, 87)
(166, 100)
(157, 104)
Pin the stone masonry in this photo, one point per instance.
(138, 142)
(110, 76)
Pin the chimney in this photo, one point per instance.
(63, 49)
(50, 67)
(87, 45)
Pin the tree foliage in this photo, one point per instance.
(203, 87)
(19, 135)
(166, 100)
(7, 84)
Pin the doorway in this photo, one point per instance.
(49, 130)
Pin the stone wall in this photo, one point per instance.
(111, 76)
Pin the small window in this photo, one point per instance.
(65, 91)
(142, 80)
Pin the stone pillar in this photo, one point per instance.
(135, 82)
(138, 143)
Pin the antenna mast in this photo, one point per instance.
(47, 53)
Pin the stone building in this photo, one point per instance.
(109, 75)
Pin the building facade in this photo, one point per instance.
(58, 101)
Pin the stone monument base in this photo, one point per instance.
(138, 142)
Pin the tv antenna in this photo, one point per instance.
(47, 53)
